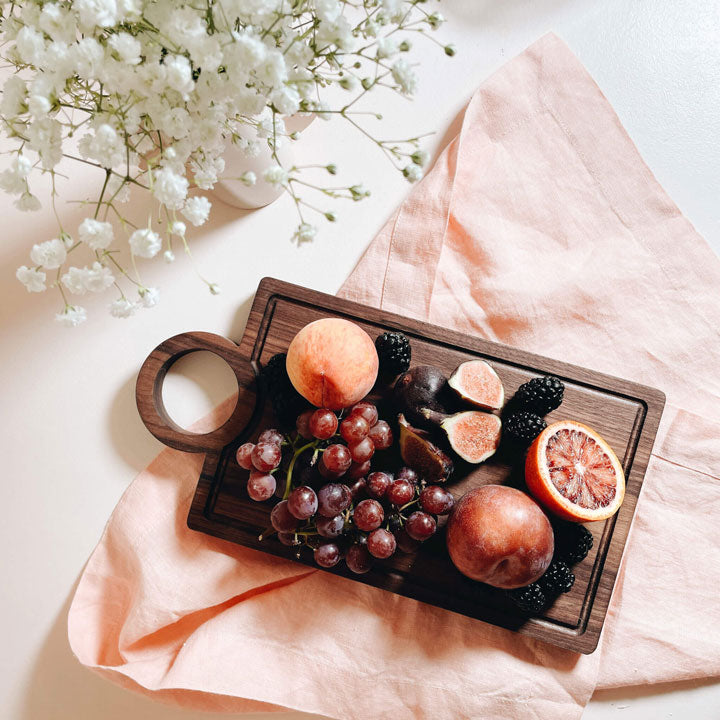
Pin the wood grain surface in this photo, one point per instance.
(625, 413)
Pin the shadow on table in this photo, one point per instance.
(60, 688)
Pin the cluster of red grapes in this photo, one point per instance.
(330, 500)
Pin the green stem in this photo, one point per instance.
(288, 476)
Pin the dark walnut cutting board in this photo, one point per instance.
(624, 413)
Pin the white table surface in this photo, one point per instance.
(72, 439)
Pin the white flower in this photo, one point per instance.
(32, 279)
(286, 100)
(248, 50)
(327, 9)
(387, 47)
(349, 82)
(30, 45)
(197, 209)
(87, 57)
(13, 180)
(169, 256)
(27, 202)
(50, 254)
(126, 46)
(420, 157)
(98, 278)
(276, 176)
(248, 178)
(13, 96)
(170, 188)
(45, 137)
(214, 288)
(95, 234)
(57, 22)
(149, 297)
(179, 74)
(74, 280)
(412, 173)
(178, 228)
(404, 76)
(305, 232)
(105, 146)
(145, 243)
(122, 308)
(72, 316)
(102, 13)
(272, 70)
(338, 32)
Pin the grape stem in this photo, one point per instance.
(296, 455)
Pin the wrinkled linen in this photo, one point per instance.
(539, 226)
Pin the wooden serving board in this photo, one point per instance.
(625, 413)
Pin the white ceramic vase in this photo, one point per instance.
(237, 193)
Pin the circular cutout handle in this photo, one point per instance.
(148, 392)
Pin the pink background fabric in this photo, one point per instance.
(539, 226)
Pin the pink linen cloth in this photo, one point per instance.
(539, 226)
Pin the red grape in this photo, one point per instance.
(407, 473)
(266, 456)
(368, 515)
(358, 559)
(366, 410)
(405, 543)
(420, 526)
(353, 429)
(260, 486)
(381, 435)
(243, 456)
(323, 424)
(358, 470)
(330, 527)
(333, 498)
(303, 502)
(362, 452)
(378, 483)
(436, 500)
(288, 538)
(271, 435)
(381, 543)
(337, 459)
(400, 492)
(282, 519)
(358, 489)
(302, 425)
(327, 555)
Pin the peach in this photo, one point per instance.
(332, 363)
(500, 536)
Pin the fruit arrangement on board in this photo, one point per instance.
(353, 486)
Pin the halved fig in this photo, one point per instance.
(428, 460)
(472, 434)
(478, 384)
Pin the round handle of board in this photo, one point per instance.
(148, 392)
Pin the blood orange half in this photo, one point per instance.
(574, 473)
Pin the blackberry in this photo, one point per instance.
(393, 349)
(541, 394)
(572, 542)
(523, 427)
(286, 401)
(557, 578)
(530, 599)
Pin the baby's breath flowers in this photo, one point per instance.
(150, 92)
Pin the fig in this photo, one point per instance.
(422, 455)
(472, 434)
(478, 384)
(423, 386)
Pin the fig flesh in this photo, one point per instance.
(423, 386)
(428, 460)
(472, 434)
(478, 384)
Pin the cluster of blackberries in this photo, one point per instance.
(532, 400)
(287, 403)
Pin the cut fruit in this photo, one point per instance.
(574, 473)
(428, 460)
(472, 434)
(477, 383)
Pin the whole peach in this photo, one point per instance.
(500, 536)
(332, 363)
